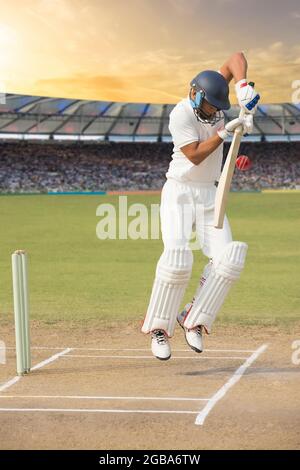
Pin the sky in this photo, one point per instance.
(144, 50)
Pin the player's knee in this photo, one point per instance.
(232, 260)
(175, 265)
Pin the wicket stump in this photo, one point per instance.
(21, 311)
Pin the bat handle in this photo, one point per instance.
(239, 129)
(242, 113)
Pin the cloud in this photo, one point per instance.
(9, 48)
(273, 69)
(8, 35)
(104, 87)
(161, 76)
(296, 15)
(142, 50)
(62, 9)
(63, 17)
(179, 6)
(154, 76)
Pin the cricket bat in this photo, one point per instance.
(226, 177)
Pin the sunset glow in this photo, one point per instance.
(144, 50)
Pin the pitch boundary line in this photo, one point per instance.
(15, 379)
(81, 397)
(229, 384)
(151, 357)
(93, 410)
(128, 349)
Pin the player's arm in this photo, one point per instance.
(235, 67)
(196, 152)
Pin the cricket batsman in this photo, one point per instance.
(187, 204)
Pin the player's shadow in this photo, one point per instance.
(252, 371)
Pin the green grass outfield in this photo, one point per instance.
(75, 276)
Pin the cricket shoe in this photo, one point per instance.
(160, 345)
(193, 337)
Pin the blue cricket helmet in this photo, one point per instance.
(213, 87)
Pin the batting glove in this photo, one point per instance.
(230, 127)
(247, 96)
(248, 123)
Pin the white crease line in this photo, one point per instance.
(96, 410)
(11, 382)
(152, 357)
(14, 380)
(81, 397)
(230, 383)
(131, 349)
(51, 359)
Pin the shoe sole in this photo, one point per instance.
(163, 358)
(192, 347)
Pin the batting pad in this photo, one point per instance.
(206, 272)
(173, 273)
(216, 287)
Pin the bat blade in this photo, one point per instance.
(225, 179)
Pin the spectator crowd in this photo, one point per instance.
(53, 166)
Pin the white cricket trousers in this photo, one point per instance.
(186, 208)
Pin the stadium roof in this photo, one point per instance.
(36, 117)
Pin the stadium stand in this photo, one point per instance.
(43, 167)
(58, 145)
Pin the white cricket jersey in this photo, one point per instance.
(185, 129)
